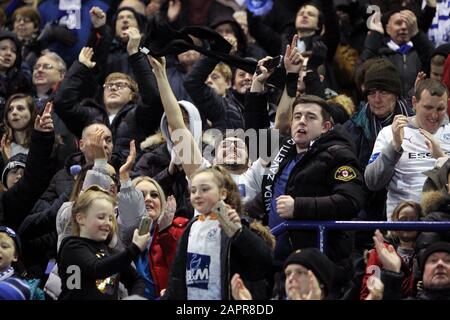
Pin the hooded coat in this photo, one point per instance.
(14, 80)
(156, 162)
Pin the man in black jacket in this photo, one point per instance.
(314, 176)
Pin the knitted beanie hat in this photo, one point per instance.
(382, 75)
(314, 260)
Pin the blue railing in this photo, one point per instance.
(323, 226)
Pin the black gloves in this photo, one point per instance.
(53, 32)
(318, 55)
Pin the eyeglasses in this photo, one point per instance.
(22, 19)
(45, 66)
(117, 85)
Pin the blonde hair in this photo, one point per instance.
(85, 200)
(224, 70)
(345, 101)
(162, 196)
(118, 75)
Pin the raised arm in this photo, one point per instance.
(293, 62)
(131, 202)
(191, 157)
(374, 38)
(77, 85)
(150, 111)
(18, 201)
(207, 101)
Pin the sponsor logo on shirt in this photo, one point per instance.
(212, 234)
(197, 270)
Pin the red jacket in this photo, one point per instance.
(162, 252)
(373, 260)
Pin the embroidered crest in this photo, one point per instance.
(345, 173)
(446, 137)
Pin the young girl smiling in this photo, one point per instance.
(213, 246)
(88, 268)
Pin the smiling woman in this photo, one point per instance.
(18, 120)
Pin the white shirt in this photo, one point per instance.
(203, 274)
(408, 178)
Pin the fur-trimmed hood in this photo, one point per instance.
(153, 141)
(433, 201)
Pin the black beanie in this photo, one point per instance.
(439, 246)
(13, 235)
(314, 260)
(382, 75)
(18, 160)
(442, 50)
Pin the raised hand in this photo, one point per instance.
(420, 77)
(134, 40)
(174, 10)
(432, 144)
(261, 75)
(44, 123)
(158, 65)
(293, 60)
(388, 256)
(238, 290)
(6, 147)
(98, 17)
(85, 57)
(94, 144)
(168, 214)
(126, 167)
(411, 22)
(398, 131)
(374, 23)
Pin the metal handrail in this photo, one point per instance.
(323, 226)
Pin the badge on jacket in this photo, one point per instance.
(345, 173)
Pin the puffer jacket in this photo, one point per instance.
(133, 121)
(319, 191)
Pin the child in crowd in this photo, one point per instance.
(88, 267)
(403, 242)
(11, 286)
(216, 245)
